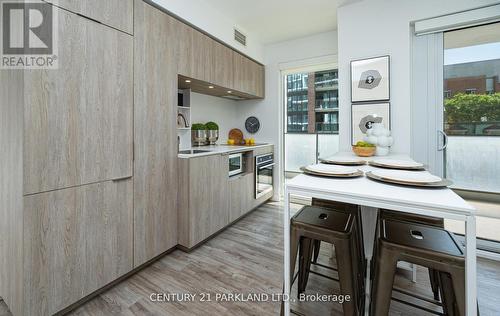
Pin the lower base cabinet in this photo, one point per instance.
(76, 241)
(203, 198)
(241, 195)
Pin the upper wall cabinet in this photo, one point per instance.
(248, 76)
(196, 53)
(116, 13)
(209, 61)
(223, 72)
(78, 118)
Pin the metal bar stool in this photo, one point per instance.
(417, 219)
(355, 210)
(335, 227)
(425, 245)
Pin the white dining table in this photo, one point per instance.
(372, 195)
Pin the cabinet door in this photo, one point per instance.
(241, 196)
(75, 241)
(202, 56)
(208, 196)
(248, 76)
(155, 125)
(78, 118)
(116, 13)
(223, 74)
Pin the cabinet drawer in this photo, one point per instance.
(116, 13)
(75, 241)
(78, 118)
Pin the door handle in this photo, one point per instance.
(445, 140)
(121, 179)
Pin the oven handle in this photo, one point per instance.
(267, 166)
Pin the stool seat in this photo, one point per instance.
(420, 236)
(323, 218)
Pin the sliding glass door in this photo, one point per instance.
(471, 122)
(311, 117)
(470, 148)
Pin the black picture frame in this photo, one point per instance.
(378, 95)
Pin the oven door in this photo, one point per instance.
(263, 179)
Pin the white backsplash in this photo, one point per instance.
(226, 113)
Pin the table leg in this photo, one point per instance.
(369, 221)
(470, 266)
(286, 232)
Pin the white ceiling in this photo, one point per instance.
(280, 20)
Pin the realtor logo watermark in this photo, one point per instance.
(29, 35)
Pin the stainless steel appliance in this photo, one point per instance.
(235, 164)
(264, 165)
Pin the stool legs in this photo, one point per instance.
(447, 296)
(433, 277)
(294, 248)
(385, 270)
(305, 255)
(458, 280)
(345, 265)
(317, 246)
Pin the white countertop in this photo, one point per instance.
(220, 149)
(362, 188)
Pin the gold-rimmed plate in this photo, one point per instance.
(437, 184)
(355, 174)
(397, 164)
(347, 161)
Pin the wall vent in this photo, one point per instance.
(240, 37)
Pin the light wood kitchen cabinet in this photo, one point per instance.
(78, 118)
(115, 13)
(203, 198)
(223, 72)
(196, 53)
(248, 75)
(241, 195)
(155, 133)
(75, 241)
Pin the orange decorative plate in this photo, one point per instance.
(237, 135)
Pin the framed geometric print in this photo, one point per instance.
(370, 79)
(365, 115)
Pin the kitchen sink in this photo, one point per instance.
(193, 151)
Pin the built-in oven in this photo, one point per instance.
(235, 164)
(264, 166)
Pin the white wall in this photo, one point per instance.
(380, 27)
(202, 15)
(277, 56)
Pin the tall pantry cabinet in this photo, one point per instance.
(67, 192)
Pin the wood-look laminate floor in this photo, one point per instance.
(247, 258)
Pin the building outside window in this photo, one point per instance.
(311, 117)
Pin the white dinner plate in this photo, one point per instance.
(331, 169)
(397, 163)
(352, 161)
(407, 176)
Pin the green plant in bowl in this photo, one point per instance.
(212, 126)
(198, 127)
(364, 144)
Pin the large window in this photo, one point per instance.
(311, 117)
